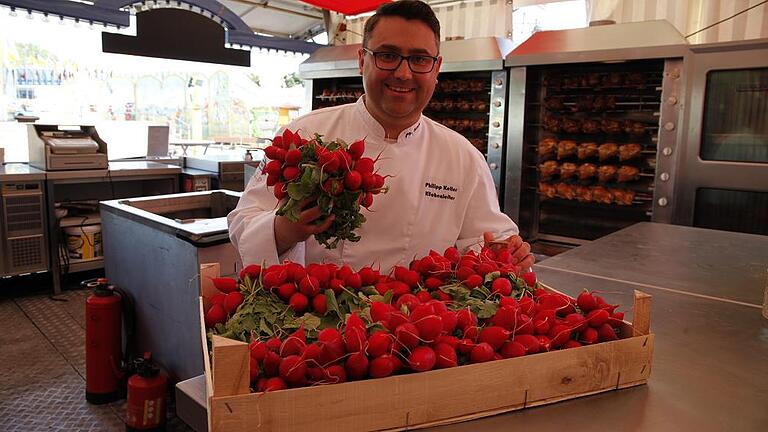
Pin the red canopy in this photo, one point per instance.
(347, 7)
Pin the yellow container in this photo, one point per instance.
(84, 242)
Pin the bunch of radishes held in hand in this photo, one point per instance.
(443, 311)
(333, 175)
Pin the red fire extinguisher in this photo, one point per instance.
(145, 410)
(103, 344)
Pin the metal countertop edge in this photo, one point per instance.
(703, 296)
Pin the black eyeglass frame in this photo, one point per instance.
(402, 57)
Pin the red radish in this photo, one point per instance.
(527, 305)
(452, 341)
(344, 272)
(484, 268)
(423, 296)
(445, 356)
(472, 333)
(275, 278)
(225, 284)
(233, 301)
(395, 319)
(452, 254)
(280, 190)
(366, 200)
(364, 165)
(353, 180)
(218, 299)
(531, 343)
(606, 333)
(616, 319)
(294, 344)
(356, 366)
(571, 344)
(530, 278)
(409, 300)
(506, 317)
(422, 310)
(379, 343)
(354, 281)
(252, 271)
(432, 283)
(274, 344)
(598, 317)
(463, 273)
(316, 374)
(253, 369)
(274, 384)
(586, 301)
(494, 336)
(296, 272)
(258, 350)
(319, 272)
(320, 304)
(509, 302)
(442, 296)
(380, 311)
(429, 327)
(356, 149)
(291, 173)
(381, 367)
(329, 335)
(438, 306)
(312, 352)
(407, 335)
(546, 343)
(576, 321)
(354, 320)
(422, 359)
(481, 353)
(332, 186)
(465, 346)
(541, 326)
(337, 285)
(473, 281)
(269, 152)
(466, 318)
(215, 315)
(293, 157)
(273, 168)
(293, 370)
(367, 276)
(559, 334)
(336, 374)
(286, 290)
(399, 288)
(298, 302)
(524, 325)
(309, 286)
(512, 349)
(450, 321)
(354, 338)
(271, 364)
(502, 286)
(588, 336)
(272, 180)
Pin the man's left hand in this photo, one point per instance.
(521, 251)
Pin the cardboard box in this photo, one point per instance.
(419, 400)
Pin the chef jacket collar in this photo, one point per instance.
(372, 124)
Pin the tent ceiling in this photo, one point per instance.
(285, 18)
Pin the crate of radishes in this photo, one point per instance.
(448, 338)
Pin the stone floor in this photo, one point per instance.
(42, 363)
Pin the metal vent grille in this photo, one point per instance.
(27, 253)
(23, 213)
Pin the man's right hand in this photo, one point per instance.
(288, 233)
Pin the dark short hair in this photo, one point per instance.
(408, 9)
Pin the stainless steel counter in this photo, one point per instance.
(721, 264)
(117, 169)
(20, 171)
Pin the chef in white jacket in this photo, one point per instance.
(441, 192)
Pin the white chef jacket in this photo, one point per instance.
(441, 194)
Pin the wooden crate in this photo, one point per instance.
(425, 399)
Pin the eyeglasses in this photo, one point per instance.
(389, 61)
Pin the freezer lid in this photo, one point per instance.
(458, 55)
(615, 42)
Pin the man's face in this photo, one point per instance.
(396, 98)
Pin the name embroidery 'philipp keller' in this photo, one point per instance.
(445, 192)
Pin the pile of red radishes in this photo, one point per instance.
(444, 310)
(331, 173)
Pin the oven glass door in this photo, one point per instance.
(735, 123)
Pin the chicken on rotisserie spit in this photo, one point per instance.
(612, 127)
(584, 103)
(602, 195)
(629, 151)
(549, 169)
(633, 128)
(547, 191)
(587, 150)
(553, 103)
(604, 103)
(583, 194)
(566, 191)
(552, 124)
(590, 126)
(434, 105)
(635, 79)
(463, 105)
(568, 170)
(606, 173)
(448, 105)
(476, 85)
(566, 148)
(547, 147)
(623, 196)
(613, 79)
(607, 151)
(587, 171)
(571, 126)
(479, 105)
(628, 173)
